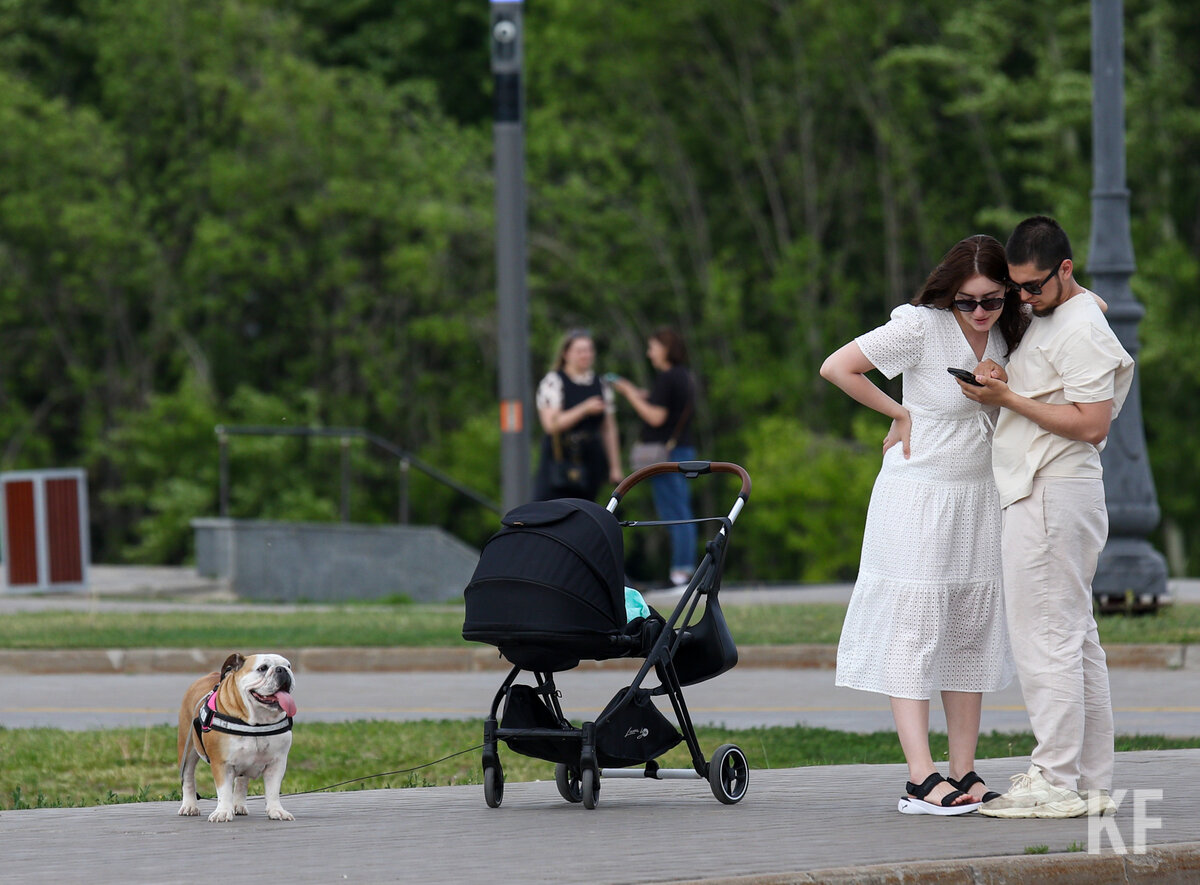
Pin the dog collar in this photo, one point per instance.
(209, 719)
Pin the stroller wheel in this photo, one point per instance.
(568, 782)
(493, 786)
(589, 789)
(729, 774)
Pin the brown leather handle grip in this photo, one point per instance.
(695, 468)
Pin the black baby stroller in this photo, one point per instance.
(549, 591)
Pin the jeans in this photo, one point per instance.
(672, 500)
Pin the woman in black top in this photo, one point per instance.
(666, 412)
(579, 409)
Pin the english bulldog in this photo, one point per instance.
(240, 722)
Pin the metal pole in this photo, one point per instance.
(223, 470)
(345, 479)
(1129, 565)
(511, 259)
(405, 469)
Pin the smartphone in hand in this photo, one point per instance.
(964, 375)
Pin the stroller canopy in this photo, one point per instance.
(553, 577)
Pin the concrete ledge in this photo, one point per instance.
(1145, 657)
(332, 562)
(1177, 864)
(469, 658)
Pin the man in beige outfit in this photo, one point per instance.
(1066, 382)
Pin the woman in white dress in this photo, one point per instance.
(927, 613)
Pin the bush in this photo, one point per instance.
(809, 501)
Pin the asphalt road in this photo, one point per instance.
(1163, 702)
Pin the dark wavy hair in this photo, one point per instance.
(977, 254)
(677, 354)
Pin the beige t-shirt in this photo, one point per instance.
(1071, 356)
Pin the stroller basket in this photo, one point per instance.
(637, 734)
(549, 592)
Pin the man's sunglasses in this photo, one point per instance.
(1036, 288)
(968, 306)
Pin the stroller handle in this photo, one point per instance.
(688, 468)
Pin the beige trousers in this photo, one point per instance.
(1051, 544)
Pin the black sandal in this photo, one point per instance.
(969, 780)
(915, 802)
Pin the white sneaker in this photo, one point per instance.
(1099, 803)
(679, 577)
(1031, 795)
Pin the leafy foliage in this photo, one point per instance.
(808, 522)
(281, 211)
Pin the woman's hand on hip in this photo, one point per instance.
(899, 433)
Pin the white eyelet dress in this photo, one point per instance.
(927, 612)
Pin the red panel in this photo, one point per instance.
(62, 531)
(20, 547)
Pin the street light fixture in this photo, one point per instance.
(1129, 569)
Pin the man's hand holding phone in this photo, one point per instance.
(964, 376)
(990, 392)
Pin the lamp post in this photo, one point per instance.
(512, 310)
(1128, 565)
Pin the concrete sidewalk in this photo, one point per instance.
(824, 824)
(150, 588)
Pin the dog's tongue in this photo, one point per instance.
(285, 702)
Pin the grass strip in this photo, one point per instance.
(441, 625)
(52, 768)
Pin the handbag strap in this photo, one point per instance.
(683, 416)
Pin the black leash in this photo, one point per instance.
(368, 777)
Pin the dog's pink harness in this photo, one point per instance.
(208, 718)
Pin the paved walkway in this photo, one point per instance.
(825, 824)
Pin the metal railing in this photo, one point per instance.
(406, 461)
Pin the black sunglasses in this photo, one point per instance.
(966, 305)
(1036, 288)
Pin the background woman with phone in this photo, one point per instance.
(666, 412)
(927, 613)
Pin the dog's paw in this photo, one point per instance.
(221, 815)
(188, 809)
(240, 809)
(279, 814)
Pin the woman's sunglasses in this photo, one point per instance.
(966, 305)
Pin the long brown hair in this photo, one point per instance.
(977, 254)
(560, 355)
